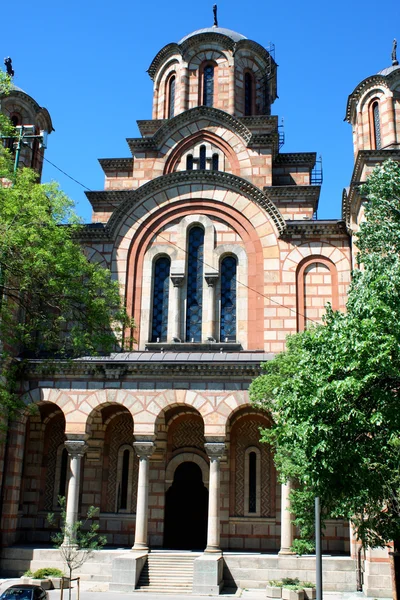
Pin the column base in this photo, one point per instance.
(212, 550)
(140, 548)
(286, 552)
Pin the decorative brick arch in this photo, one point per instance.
(186, 457)
(300, 291)
(207, 136)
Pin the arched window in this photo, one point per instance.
(202, 162)
(194, 304)
(252, 470)
(189, 162)
(248, 94)
(228, 299)
(159, 327)
(208, 85)
(15, 120)
(171, 97)
(376, 126)
(215, 162)
(124, 479)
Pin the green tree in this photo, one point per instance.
(334, 393)
(54, 303)
(76, 542)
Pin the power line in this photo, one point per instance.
(292, 310)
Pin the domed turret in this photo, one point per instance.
(214, 67)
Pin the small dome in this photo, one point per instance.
(388, 70)
(228, 32)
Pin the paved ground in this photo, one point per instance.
(91, 591)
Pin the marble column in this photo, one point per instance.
(286, 520)
(144, 450)
(215, 451)
(177, 281)
(76, 450)
(211, 279)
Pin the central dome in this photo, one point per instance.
(234, 35)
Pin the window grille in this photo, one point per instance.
(228, 299)
(377, 126)
(208, 86)
(160, 300)
(171, 97)
(189, 162)
(215, 162)
(202, 164)
(123, 504)
(194, 285)
(252, 508)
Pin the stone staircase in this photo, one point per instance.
(168, 573)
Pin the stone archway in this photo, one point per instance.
(186, 509)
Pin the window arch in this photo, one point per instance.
(228, 299)
(315, 272)
(375, 125)
(252, 479)
(159, 321)
(194, 305)
(248, 94)
(208, 85)
(170, 96)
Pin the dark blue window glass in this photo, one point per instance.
(208, 86)
(189, 162)
(377, 126)
(228, 299)
(159, 327)
(171, 97)
(202, 157)
(248, 94)
(194, 285)
(215, 162)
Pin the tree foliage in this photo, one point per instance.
(334, 393)
(76, 542)
(53, 301)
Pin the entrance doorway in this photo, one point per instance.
(186, 510)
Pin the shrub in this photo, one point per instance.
(28, 573)
(47, 572)
(308, 584)
(275, 583)
(292, 586)
(286, 581)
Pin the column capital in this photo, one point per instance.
(215, 450)
(211, 279)
(144, 449)
(177, 279)
(76, 448)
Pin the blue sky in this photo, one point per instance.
(86, 63)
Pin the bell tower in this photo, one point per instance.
(373, 110)
(33, 124)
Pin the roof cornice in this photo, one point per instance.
(296, 158)
(294, 191)
(316, 227)
(166, 52)
(214, 178)
(215, 365)
(116, 163)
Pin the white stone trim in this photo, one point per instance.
(186, 457)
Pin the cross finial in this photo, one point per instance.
(8, 63)
(395, 62)
(215, 8)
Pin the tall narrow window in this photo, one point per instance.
(208, 86)
(159, 320)
(62, 486)
(194, 285)
(171, 97)
(215, 162)
(252, 508)
(202, 164)
(123, 501)
(189, 162)
(228, 299)
(377, 125)
(248, 94)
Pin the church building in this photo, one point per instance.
(210, 229)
